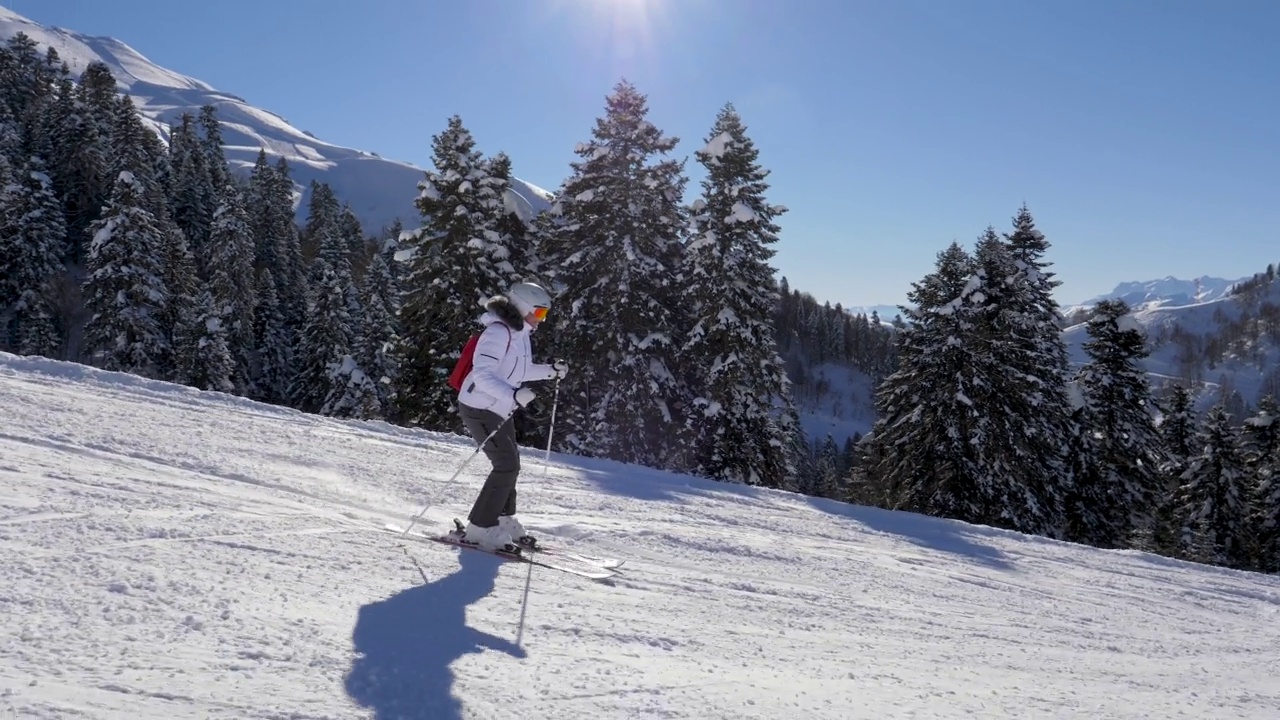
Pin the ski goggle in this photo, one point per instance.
(540, 313)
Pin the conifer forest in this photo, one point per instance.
(134, 248)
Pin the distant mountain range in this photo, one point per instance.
(1167, 291)
(378, 190)
(1221, 344)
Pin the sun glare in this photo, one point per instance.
(630, 26)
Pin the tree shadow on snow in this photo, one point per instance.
(938, 534)
(404, 645)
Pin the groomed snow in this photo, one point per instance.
(175, 554)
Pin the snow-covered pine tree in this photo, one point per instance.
(1087, 509)
(742, 411)
(182, 319)
(125, 291)
(329, 379)
(379, 335)
(1262, 463)
(262, 214)
(1040, 362)
(919, 454)
(1120, 405)
(1213, 501)
(32, 243)
(352, 233)
(290, 267)
(231, 281)
(458, 259)
(828, 470)
(513, 232)
(136, 149)
(79, 167)
(615, 245)
(272, 342)
(1019, 452)
(322, 233)
(325, 342)
(211, 365)
(192, 195)
(215, 159)
(1178, 428)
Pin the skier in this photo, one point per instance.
(489, 395)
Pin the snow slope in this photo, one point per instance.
(176, 554)
(844, 407)
(377, 189)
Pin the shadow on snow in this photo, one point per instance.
(942, 535)
(404, 645)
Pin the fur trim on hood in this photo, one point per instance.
(499, 305)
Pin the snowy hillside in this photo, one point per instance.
(1168, 291)
(176, 554)
(838, 400)
(1215, 343)
(377, 189)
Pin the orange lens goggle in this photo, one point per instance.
(540, 313)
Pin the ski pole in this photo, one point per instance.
(457, 472)
(551, 428)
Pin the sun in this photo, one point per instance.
(632, 28)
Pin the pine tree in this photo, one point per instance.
(1088, 509)
(1213, 497)
(231, 280)
(272, 342)
(1120, 412)
(1039, 359)
(125, 291)
(322, 232)
(828, 470)
(211, 365)
(919, 454)
(32, 243)
(79, 168)
(192, 194)
(182, 318)
(615, 247)
(324, 343)
(742, 409)
(1017, 390)
(379, 335)
(458, 260)
(210, 144)
(1177, 440)
(290, 271)
(1262, 462)
(513, 233)
(262, 214)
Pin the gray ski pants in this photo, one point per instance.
(498, 496)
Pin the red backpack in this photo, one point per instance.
(462, 368)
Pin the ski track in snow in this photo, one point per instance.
(174, 554)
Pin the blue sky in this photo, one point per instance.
(1141, 133)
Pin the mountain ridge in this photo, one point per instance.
(378, 190)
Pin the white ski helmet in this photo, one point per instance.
(528, 297)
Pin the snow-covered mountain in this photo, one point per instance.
(1223, 343)
(886, 312)
(1168, 291)
(169, 553)
(378, 190)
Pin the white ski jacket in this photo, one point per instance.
(503, 360)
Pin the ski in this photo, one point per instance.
(603, 562)
(450, 539)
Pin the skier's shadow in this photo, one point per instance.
(405, 644)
